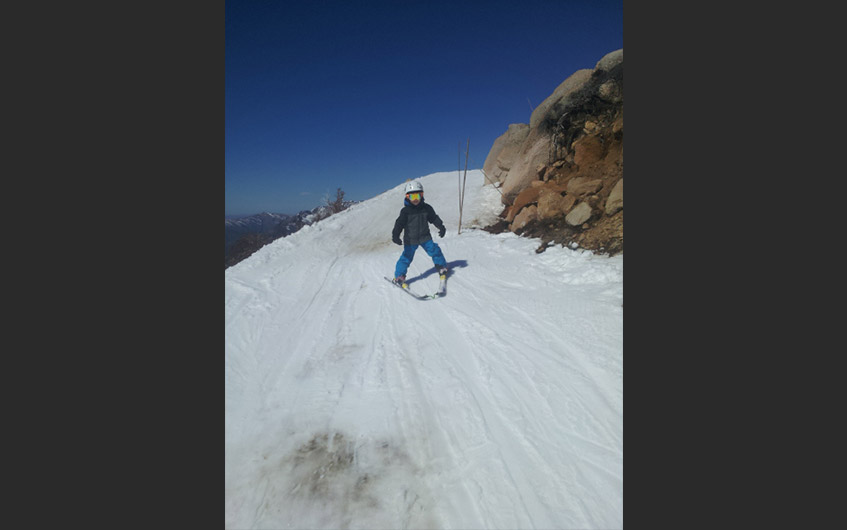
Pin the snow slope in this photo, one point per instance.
(352, 405)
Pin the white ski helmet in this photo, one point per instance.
(414, 186)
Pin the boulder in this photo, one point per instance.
(534, 152)
(610, 91)
(615, 201)
(504, 152)
(552, 204)
(610, 61)
(583, 185)
(587, 150)
(527, 196)
(533, 193)
(528, 214)
(552, 107)
(549, 171)
(579, 215)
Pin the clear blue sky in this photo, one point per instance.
(364, 95)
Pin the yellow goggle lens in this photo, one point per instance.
(414, 196)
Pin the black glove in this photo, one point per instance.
(396, 239)
(441, 231)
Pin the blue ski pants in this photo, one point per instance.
(431, 248)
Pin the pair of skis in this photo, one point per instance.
(442, 288)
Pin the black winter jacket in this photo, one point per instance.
(413, 222)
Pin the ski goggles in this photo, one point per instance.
(414, 196)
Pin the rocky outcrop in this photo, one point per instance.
(552, 107)
(561, 175)
(526, 164)
(505, 150)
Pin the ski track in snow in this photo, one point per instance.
(351, 405)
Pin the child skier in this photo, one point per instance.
(414, 221)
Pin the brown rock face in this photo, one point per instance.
(562, 175)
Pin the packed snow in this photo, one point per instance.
(350, 404)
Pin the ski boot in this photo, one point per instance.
(401, 281)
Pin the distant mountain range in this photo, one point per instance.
(265, 223)
(245, 235)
